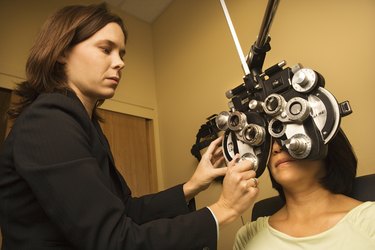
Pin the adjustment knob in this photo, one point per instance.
(304, 80)
(254, 134)
(300, 79)
(299, 146)
(256, 105)
(222, 120)
(274, 104)
(297, 109)
(237, 121)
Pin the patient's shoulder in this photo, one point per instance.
(362, 218)
(250, 230)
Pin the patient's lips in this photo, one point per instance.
(283, 160)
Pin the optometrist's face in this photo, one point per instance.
(93, 67)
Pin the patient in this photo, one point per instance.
(318, 213)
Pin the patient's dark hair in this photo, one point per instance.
(62, 31)
(340, 164)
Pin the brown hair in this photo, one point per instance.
(63, 30)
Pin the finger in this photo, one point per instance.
(218, 162)
(248, 175)
(217, 154)
(255, 182)
(234, 160)
(213, 145)
(244, 165)
(220, 171)
(252, 183)
(253, 192)
(218, 151)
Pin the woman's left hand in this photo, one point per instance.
(207, 170)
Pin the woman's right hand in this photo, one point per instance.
(240, 188)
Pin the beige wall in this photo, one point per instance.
(178, 68)
(196, 62)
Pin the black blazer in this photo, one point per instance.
(59, 189)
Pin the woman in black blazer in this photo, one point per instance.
(59, 187)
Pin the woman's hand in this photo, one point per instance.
(240, 188)
(207, 170)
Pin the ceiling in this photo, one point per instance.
(146, 10)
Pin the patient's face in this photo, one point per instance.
(289, 172)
